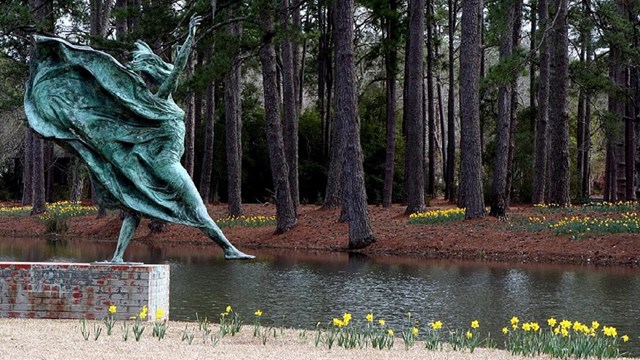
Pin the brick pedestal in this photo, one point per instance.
(80, 290)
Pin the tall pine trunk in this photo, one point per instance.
(540, 162)
(431, 116)
(513, 118)
(233, 125)
(470, 148)
(354, 194)
(414, 170)
(450, 187)
(207, 158)
(503, 123)
(558, 109)
(289, 105)
(285, 210)
(391, 68)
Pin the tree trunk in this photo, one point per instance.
(558, 109)
(354, 193)
(470, 150)
(43, 16)
(540, 162)
(233, 125)
(27, 169)
(77, 180)
(289, 106)
(450, 187)
(503, 123)
(431, 116)
(414, 171)
(39, 195)
(391, 68)
(285, 211)
(533, 43)
(513, 118)
(296, 28)
(100, 15)
(207, 158)
(121, 19)
(189, 123)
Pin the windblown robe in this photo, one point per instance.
(131, 140)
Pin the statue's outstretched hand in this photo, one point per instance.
(193, 24)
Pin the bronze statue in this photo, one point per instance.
(130, 138)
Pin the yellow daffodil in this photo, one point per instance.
(346, 318)
(415, 331)
(552, 321)
(390, 332)
(610, 331)
(112, 309)
(625, 338)
(258, 313)
(436, 325)
(526, 326)
(381, 322)
(515, 320)
(143, 312)
(338, 322)
(159, 314)
(475, 324)
(369, 317)
(469, 334)
(595, 325)
(228, 310)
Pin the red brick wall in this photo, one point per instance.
(81, 290)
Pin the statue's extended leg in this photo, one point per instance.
(128, 229)
(230, 252)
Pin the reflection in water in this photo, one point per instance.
(300, 289)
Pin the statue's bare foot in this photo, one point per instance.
(235, 254)
(116, 260)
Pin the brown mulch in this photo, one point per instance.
(487, 239)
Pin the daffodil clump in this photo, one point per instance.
(562, 339)
(616, 206)
(246, 221)
(355, 334)
(230, 322)
(436, 216)
(628, 222)
(15, 210)
(56, 216)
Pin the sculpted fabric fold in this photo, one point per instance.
(130, 139)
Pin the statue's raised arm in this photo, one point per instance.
(171, 82)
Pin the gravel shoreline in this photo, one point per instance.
(62, 339)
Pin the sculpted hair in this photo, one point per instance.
(146, 61)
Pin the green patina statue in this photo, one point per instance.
(130, 138)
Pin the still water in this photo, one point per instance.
(302, 289)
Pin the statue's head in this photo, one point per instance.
(147, 62)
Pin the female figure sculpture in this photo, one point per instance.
(131, 139)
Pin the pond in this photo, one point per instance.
(301, 289)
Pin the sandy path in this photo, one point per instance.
(62, 339)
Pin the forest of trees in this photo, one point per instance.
(344, 103)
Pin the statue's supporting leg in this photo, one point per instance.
(230, 252)
(128, 229)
